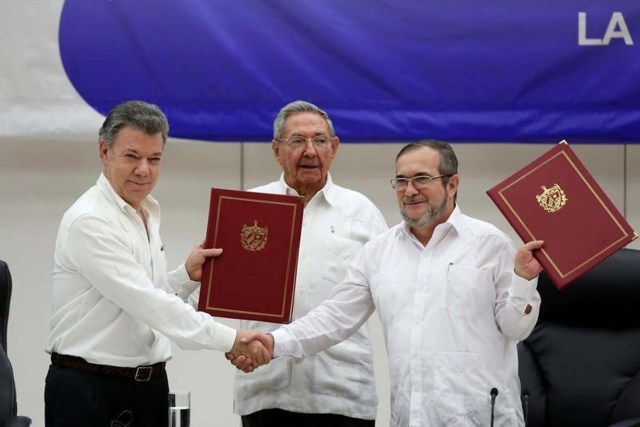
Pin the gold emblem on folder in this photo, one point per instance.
(254, 238)
(552, 199)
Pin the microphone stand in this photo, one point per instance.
(494, 394)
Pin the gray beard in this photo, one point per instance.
(429, 216)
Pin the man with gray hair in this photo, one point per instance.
(334, 388)
(453, 296)
(114, 304)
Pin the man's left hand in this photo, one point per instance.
(526, 266)
(196, 259)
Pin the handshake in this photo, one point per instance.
(251, 350)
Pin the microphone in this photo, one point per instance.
(525, 406)
(494, 394)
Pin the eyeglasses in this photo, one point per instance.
(419, 182)
(297, 142)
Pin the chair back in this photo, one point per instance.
(581, 364)
(8, 405)
(5, 302)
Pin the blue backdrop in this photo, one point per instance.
(458, 70)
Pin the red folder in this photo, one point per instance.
(254, 278)
(555, 199)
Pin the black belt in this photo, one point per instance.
(140, 373)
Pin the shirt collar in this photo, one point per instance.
(149, 203)
(454, 221)
(328, 192)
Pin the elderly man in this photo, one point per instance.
(453, 297)
(336, 387)
(114, 305)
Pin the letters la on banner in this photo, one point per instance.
(465, 70)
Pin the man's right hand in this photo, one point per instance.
(251, 350)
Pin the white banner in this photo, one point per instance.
(36, 98)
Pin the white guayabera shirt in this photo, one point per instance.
(452, 313)
(336, 223)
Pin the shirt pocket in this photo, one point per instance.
(466, 290)
(340, 252)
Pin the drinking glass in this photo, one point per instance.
(179, 408)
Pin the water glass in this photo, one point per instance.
(179, 408)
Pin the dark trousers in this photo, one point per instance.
(79, 398)
(280, 418)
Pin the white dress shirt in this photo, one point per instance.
(452, 312)
(113, 301)
(336, 224)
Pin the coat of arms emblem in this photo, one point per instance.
(552, 199)
(254, 238)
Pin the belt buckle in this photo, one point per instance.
(143, 373)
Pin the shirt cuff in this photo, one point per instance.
(187, 289)
(523, 289)
(224, 337)
(282, 343)
(176, 279)
(180, 283)
(182, 275)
